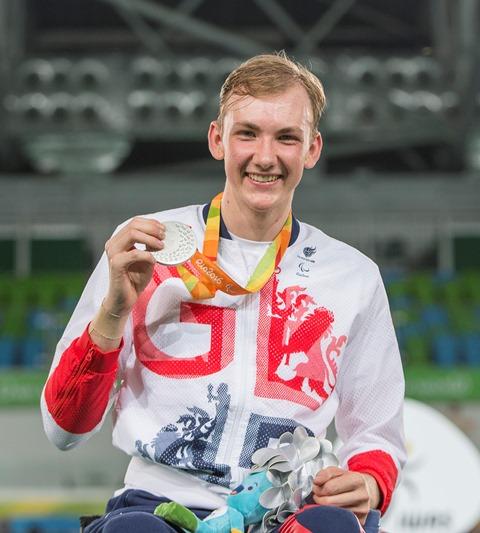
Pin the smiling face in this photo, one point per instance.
(265, 143)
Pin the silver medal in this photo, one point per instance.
(180, 244)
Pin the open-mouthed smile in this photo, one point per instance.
(263, 178)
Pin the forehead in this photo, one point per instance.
(291, 107)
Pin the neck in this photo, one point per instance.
(253, 225)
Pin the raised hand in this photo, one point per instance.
(130, 268)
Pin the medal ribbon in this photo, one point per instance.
(211, 278)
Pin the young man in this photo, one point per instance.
(231, 349)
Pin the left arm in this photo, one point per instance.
(369, 419)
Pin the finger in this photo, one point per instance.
(339, 484)
(354, 501)
(328, 473)
(126, 240)
(123, 260)
(147, 225)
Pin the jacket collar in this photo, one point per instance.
(224, 233)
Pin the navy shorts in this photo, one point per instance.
(132, 512)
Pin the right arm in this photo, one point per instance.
(78, 391)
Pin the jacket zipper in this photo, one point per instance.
(243, 374)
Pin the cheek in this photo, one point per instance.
(237, 154)
(294, 157)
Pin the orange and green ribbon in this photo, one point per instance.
(209, 277)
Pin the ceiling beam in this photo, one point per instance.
(195, 27)
(323, 26)
(282, 19)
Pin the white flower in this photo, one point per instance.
(291, 468)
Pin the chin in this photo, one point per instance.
(264, 206)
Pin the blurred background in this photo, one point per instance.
(104, 109)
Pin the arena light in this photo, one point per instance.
(414, 73)
(90, 74)
(365, 71)
(150, 73)
(33, 108)
(160, 98)
(426, 102)
(196, 72)
(143, 105)
(61, 72)
(93, 109)
(176, 106)
(424, 72)
(77, 153)
(72, 123)
(172, 76)
(451, 104)
(147, 72)
(363, 110)
(400, 103)
(199, 105)
(396, 70)
(62, 107)
(35, 75)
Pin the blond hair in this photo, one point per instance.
(272, 74)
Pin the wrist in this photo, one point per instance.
(113, 308)
(107, 327)
(373, 490)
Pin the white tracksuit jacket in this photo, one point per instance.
(202, 384)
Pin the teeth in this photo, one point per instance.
(261, 178)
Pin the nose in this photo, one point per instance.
(264, 157)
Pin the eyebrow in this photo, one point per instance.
(297, 131)
(248, 125)
(254, 127)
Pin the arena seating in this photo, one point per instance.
(33, 314)
(436, 316)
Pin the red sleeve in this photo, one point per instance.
(380, 465)
(78, 390)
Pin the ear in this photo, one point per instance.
(314, 151)
(215, 143)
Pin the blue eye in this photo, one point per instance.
(252, 487)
